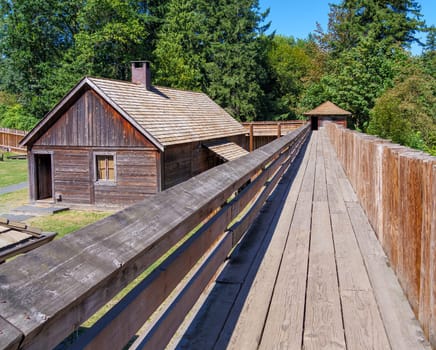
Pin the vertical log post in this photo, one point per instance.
(251, 137)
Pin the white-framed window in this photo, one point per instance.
(105, 167)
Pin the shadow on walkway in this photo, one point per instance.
(213, 325)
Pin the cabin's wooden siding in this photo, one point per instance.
(136, 177)
(74, 175)
(90, 121)
(90, 125)
(181, 162)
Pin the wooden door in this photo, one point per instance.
(43, 176)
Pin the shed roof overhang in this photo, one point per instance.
(225, 150)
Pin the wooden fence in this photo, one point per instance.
(10, 139)
(48, 293)
(262, 133)
(397, 188)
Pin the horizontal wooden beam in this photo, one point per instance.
(47, 293)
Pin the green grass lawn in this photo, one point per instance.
(67, 221)
(12, 171)
(12, 200)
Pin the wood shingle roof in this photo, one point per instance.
(166, 116)
(171, 116)
(226, 150)
(328, 109)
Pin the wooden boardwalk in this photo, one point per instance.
(309, 275)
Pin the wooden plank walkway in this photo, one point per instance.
(309, 275)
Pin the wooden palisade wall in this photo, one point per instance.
(10, 138)
(397, 188)
(48, 293)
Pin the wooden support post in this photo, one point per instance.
(251, 137)
(279, 130)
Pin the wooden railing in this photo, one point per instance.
(397, 188)
(48, 293)
(262, 133)
(273, 128)
(10, 139)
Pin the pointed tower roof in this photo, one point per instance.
(328, 109)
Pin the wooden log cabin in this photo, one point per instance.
(327, 112)
(113, 142)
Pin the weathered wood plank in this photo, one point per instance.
(163, 330)
(248, 330)
(351, 269)
(206, 332)
(90, 266)
(320, 191)
(364, 328)
(426, 285)
(323, 328)
(432, 274)
(10, 337)
(117, 327)
(401, 326)
(284, 324)
(411, 224)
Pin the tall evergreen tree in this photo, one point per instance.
(366, 41)
(34, 34)
(429, 52)
(214, 47)
(181, 47)
(393, 22)
(237, 57)
(112, 33)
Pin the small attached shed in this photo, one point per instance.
(327, 112)
(115, 142)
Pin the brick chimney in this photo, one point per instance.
(141, 73)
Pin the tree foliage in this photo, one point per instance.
(180, 52)
(406, 113)
(293, 66)
(220, 47)
(215, 47)
(34, 34)
(365, 41)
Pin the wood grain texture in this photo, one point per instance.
(425, 283)
(248, 330)
(323, 328)
(284, 324)
(401, 326)
(432, 274)
(394, 185)
(364, 328)
(10, 337)
(162, 332)
(90, 266)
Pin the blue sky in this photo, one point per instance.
(298, 18)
